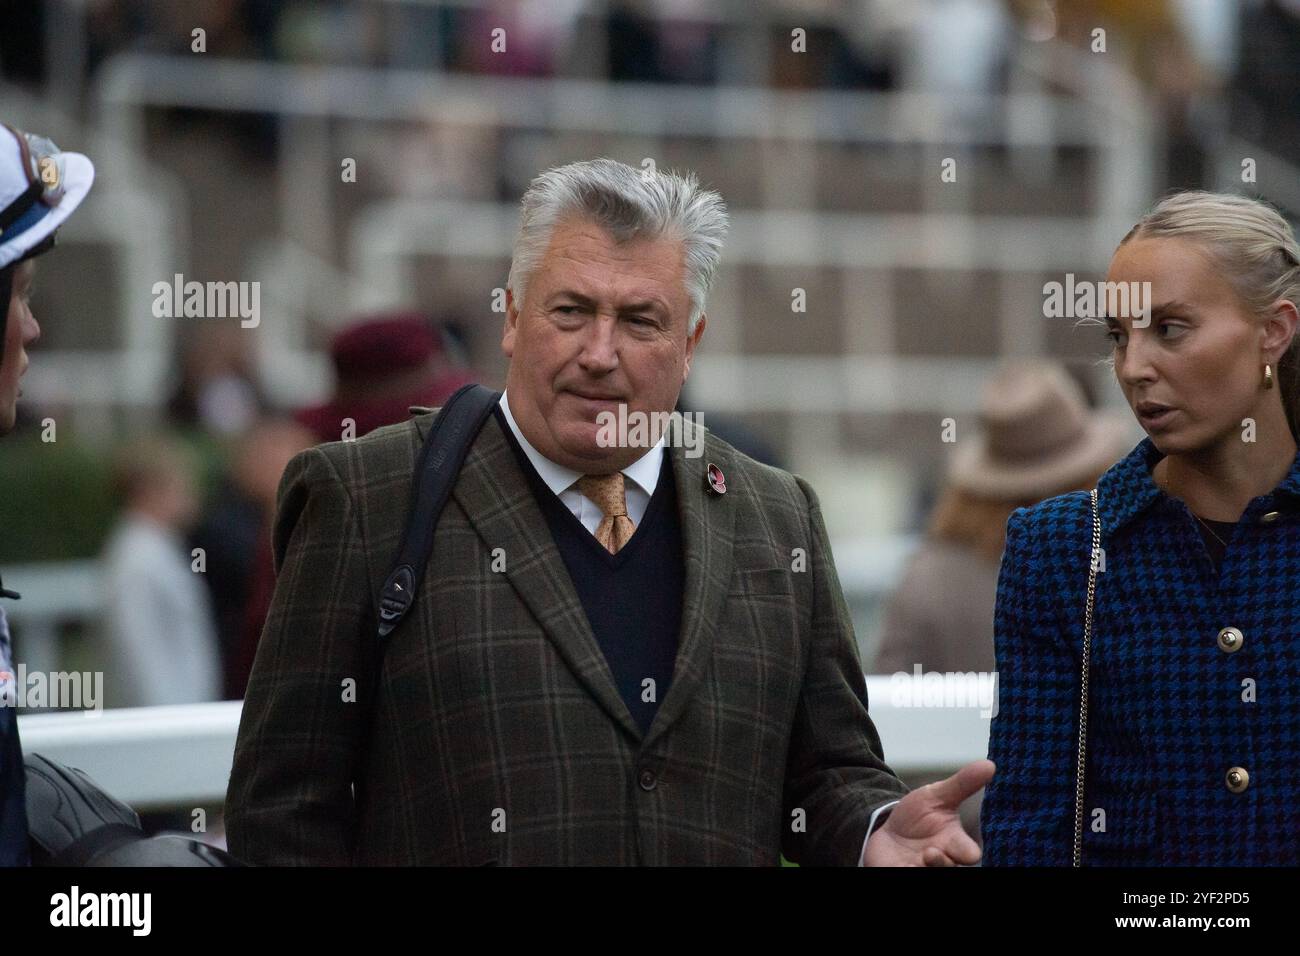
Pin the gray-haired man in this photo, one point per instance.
(620, 654)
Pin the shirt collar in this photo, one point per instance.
(1127, 487)
(644, 471)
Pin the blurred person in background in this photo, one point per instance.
(1190, 706)
(235, 535)
(161, 643)
(1152, 43)
(734, 431)
(218, 393)
(39, 189)
(260, 460)
(1037, 439)
(383, 365)
(229, 534)
(1265, 88)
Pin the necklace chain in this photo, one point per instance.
(1208, 528)
(1165, 485)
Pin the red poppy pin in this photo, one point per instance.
(716, 481)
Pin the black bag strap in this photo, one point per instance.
(440, 461)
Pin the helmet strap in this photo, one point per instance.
(6, 290)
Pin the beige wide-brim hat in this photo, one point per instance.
(1037, 436)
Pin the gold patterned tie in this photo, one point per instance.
(616, 528)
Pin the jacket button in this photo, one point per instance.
(1237, 779)
(648, 780)
(1268, 517)
(1230, 640)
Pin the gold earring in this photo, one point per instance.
(1268, 376)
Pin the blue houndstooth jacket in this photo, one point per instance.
(1193, 729)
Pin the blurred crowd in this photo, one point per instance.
(1239, 52)
(187, 565)
(865, 44)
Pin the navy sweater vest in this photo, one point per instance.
(633, 599)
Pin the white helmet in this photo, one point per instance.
(39, 189)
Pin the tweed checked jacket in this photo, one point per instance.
(1172, 706)
(498, 733)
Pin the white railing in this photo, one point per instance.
(180, 756)
(60, 593)
(54, 593)
(149, 757)
(781, 123)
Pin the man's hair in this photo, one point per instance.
(629, 204)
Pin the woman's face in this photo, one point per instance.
(1196, 370)
(21, 331)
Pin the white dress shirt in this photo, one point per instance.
(872, 826)
(644, 475)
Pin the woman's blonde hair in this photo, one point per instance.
(1255, 249)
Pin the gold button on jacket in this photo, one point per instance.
(1237, 779)
(1230, 640)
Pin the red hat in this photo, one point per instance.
(383, 344)
(365, 356)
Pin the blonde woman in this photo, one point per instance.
(1192, 733)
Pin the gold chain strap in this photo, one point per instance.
(1083, 682)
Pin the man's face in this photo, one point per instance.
(20, 332)
(1201, 356)
(601, 324)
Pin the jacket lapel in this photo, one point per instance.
(707, 522)
(499, 503)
